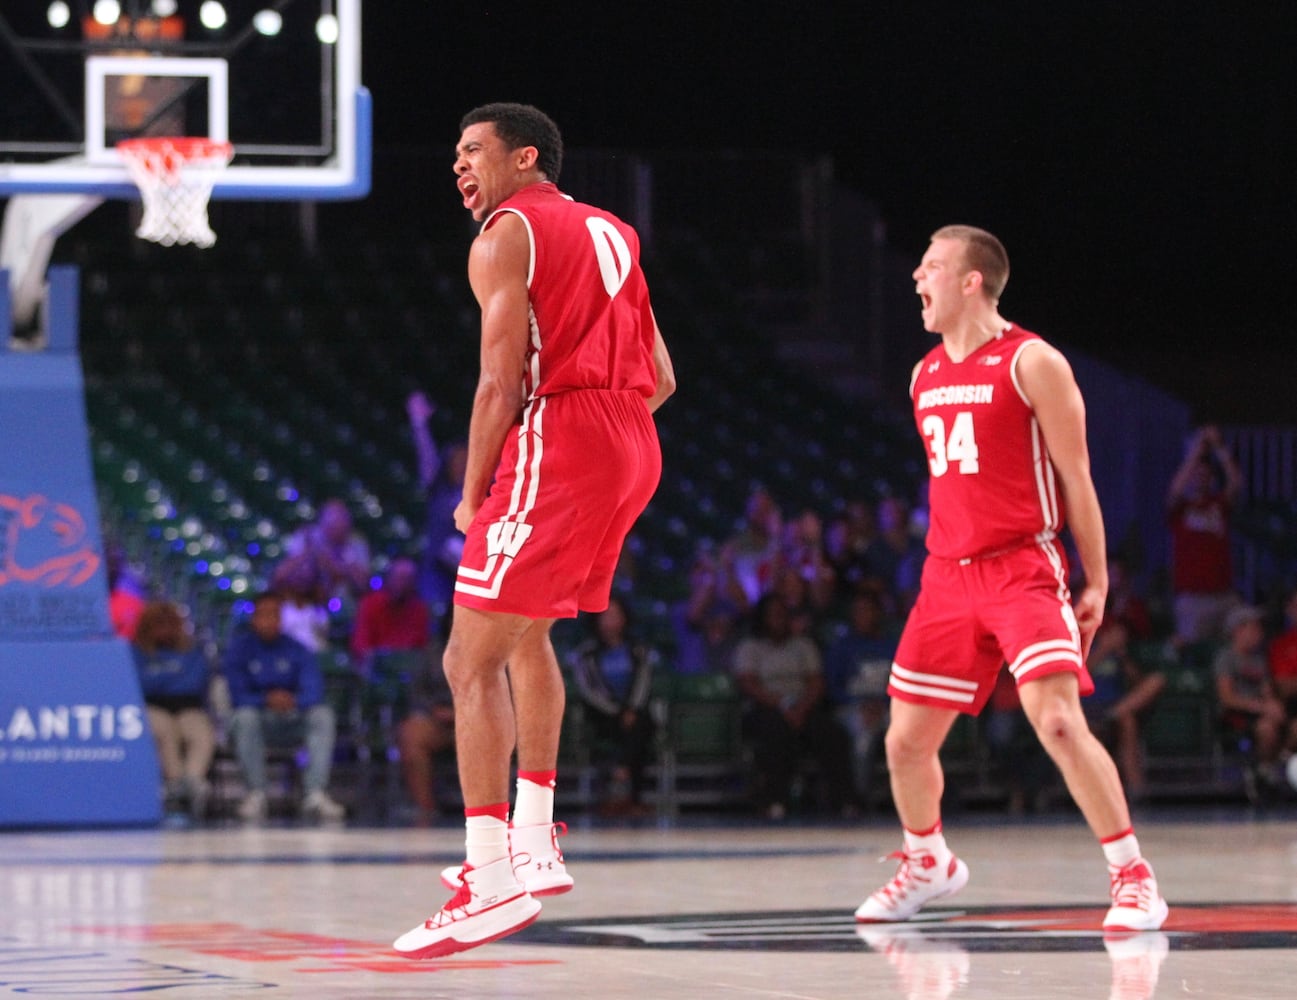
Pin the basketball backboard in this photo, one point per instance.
(279, 79)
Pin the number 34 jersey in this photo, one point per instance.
(591, 321)
(992, 485)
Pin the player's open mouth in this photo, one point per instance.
(926, 300)
(468, 189)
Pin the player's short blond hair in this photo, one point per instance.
(984, 254)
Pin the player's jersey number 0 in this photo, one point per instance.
(956, 446)
(611, 251)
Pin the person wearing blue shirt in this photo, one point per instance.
(277, 693)
(174, 677)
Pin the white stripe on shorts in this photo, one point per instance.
(952, 689)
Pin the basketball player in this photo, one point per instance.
(1004, 425)
(562, 458)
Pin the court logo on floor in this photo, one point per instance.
(1228, 926)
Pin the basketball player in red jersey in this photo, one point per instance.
(1004, 425)
(562, 458)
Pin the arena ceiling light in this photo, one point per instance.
(268, 22)
(107, 11)
(59, 14)
(212, 15)
(326, 29)
(164, 8)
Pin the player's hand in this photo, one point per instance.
(1089, 616)
(465, 511)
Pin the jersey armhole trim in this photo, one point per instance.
(531, 238)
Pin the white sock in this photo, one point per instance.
(533, 804)
(934, 843)
(1122, 851)
(486, 839)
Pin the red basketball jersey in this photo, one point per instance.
(591, 324)
(992, 483)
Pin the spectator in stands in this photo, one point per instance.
(1124, 693)
(805, 614)
(848, 539)
(706, 621)
(1124, 603)
(428, 729)
(277, 692)
(305, 613)
(804, 553)
(392, 618)
(174, 679)
(781, 678)
(753, 552)
(441, 476)
(857, 665)
(1250, 709)
(339, 553)
(895, 557)
(125, 600)
(1199, 501)
(614, 678)
(1283, 657)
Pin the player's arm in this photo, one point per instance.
(666, 373)
(497, 270)
(1046, 379)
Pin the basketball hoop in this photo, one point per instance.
(175, 177)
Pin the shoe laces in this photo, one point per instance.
(455, 908)
(557, 830)
(1132, 886)
(911, 872)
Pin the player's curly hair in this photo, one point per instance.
(522, 125)
(982, 253)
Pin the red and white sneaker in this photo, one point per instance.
(918, 881)
(537, 860)
(490, 904)
(1136, 903)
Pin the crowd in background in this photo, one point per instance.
(800, 608)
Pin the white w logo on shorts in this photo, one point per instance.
(506, 538)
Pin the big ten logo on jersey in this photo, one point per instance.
(957, 447)
(505, 538)
(612, 252)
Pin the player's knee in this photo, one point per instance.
(903, 748)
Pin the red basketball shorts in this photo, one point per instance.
(572, 479)
(973, 616)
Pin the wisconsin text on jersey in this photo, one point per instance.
(947, 394)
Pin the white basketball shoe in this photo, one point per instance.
(490, 904)
(537, 860)
(1137, 905)
(919, 880)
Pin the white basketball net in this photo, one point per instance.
(175, 177)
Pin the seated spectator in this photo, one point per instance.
(857, 665)
(125, 598)
(781, 678)
(847, 541)
(753, 552)
(393, 618)
(304, 614)
(1250, 710)
(174, 679)
(428, 728)
(1283, 658)
(1124, 693)
(338, 553)
(277, 692)
(804, 554)
(1124, 602)
(705, 623)
(614, 677)
(894, 559)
